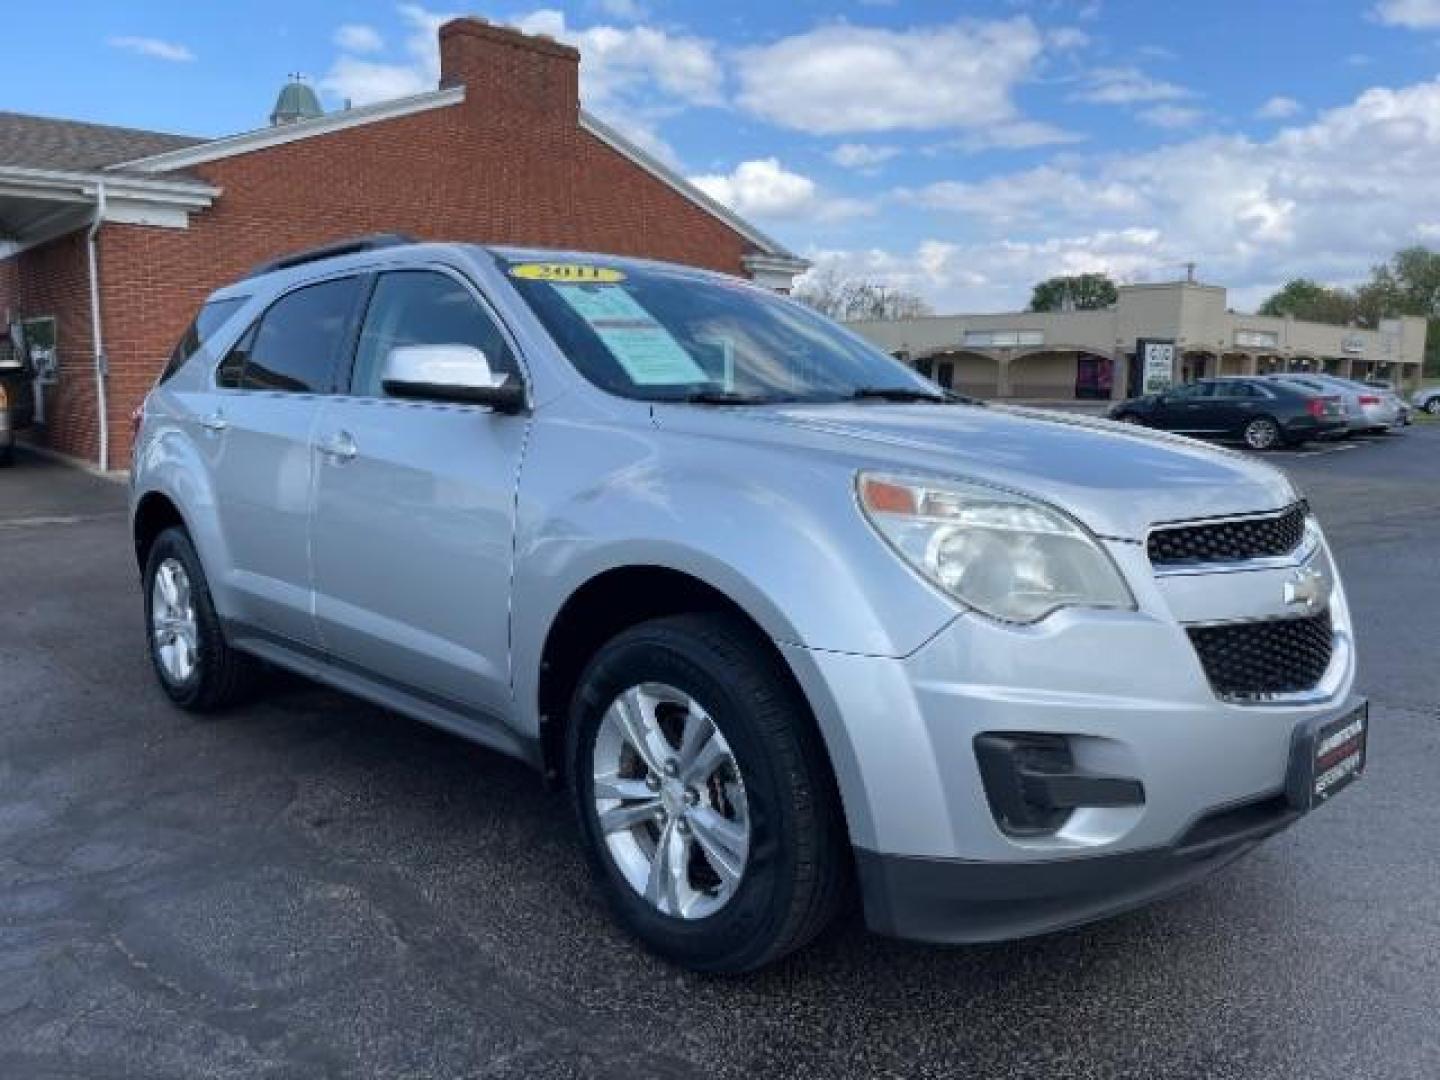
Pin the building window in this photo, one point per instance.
(945, 374)
(34, 341)
(925, 366)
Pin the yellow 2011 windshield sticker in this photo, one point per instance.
(569, 273)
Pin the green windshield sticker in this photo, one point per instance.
(644, 348)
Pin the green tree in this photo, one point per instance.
(1074, 292)
(1302, 298)
(1409, 284)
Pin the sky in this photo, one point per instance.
(963, 151)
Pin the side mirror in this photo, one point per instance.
(458, 373)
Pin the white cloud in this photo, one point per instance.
(1323, 199)
(994, 275)
(620, 60)
(1033, 196)
(632, 76)
(365, 81)
(1414, 14)
(359, 38)
(861, 155)
(1127, 86)
(1279, 108)
(1067, 38)
(764, 188)
(153, 47)
(622, 9)
(848, 79)
(1172, 117)
(1016, 135)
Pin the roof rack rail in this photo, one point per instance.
(354, 246)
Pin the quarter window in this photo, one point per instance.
(298, 341)
(423, 307)
(211, 317)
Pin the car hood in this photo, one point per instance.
(1115, 478)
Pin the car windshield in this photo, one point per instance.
(661, 335)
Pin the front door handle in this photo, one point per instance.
(215, 422)
(340, 446)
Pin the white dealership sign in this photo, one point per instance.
(1157, 366)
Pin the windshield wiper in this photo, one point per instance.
(896, 393)
(723, 397)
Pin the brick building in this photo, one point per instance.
(110, 238)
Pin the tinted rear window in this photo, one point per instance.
(211, 317)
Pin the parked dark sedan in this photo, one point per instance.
(1262, 414)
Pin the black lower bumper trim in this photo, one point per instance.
(955, 901)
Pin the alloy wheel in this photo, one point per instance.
(670, 801)
(175, 633)
(1261, 433)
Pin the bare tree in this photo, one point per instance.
(850, 300)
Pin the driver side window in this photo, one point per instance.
(423, 307)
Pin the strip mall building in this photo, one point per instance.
(1069, 355)
(111, 237)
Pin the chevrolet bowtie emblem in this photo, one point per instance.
(1305, 587)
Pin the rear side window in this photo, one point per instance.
(211, 318)
(298, 342)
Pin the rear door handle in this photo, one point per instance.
(340, 446)
(214, 422)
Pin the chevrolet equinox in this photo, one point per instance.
(789, 622)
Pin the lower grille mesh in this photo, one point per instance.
(1276, 656)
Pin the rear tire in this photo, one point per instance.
(196, 667)
(1130, 418)
(729, 910)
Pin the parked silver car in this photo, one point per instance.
(779, 613)
(1367, 408)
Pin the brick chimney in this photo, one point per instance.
(516, 79)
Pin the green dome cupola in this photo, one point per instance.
(297, 101)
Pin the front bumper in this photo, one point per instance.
(954, 901)
(1126, 691)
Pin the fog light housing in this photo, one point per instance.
(1033, 784)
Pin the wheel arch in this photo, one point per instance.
(154, 513)
(610, 602)
(606, 604)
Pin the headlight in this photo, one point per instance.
(996, 551)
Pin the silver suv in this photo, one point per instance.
(784, 618)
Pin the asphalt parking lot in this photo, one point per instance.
(310, 887)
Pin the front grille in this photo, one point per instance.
(1256, 659)
(1237, 540)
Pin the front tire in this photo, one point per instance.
(704, 796)
(1433, 406)
(1261, 433)
(197, 668)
